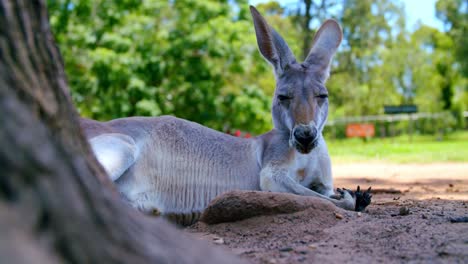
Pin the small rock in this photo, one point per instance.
(272, 261)
(286, 249)
(359, 214)
(404, 210)
(424, 216)
(218, 241)
(463, 219)
(338, 216)
(312, 246)
(302, 250)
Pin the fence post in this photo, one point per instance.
(410, 127)
(392, 128)
(383, 130)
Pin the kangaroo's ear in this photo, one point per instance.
(271, 44)
(326, 42)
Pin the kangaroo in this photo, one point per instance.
(176, 167)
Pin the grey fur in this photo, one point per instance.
(174, 166)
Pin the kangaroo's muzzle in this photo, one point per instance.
(304, 138)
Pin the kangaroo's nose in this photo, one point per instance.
(305, 135)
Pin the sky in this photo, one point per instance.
(422, 10)
(416, 10)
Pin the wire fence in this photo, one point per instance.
(397, 124)
(385, 118)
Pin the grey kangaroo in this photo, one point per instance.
(176, 167)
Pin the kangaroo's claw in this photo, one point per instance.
(363, 199)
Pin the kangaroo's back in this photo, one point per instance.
(181, 165)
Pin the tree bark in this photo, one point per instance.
(56, 203)
(307, 33)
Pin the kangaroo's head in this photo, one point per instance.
(300, 103)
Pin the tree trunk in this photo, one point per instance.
(307, 33)
(56, 203)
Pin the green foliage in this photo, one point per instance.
(198, 60)
(185, 58)
(454, 13)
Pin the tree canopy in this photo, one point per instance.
(198, 60)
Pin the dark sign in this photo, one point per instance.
(400, 109)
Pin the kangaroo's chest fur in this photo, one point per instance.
(305, 169)
(312, 170)
(281, 161)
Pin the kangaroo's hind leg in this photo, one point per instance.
(115, 152)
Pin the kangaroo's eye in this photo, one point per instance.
(322, 96)
(284, 98)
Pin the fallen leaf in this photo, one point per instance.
(338, 216)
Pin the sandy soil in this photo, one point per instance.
(420, 181)
(411, 224)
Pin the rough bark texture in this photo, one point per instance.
(238, 205)
(56, 204)
(307, 42)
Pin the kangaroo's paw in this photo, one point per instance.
(347, 199)
(363, 199)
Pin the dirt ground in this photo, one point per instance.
(410, 220)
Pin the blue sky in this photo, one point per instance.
(422, 10)
(416, 10)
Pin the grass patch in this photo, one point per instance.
(420, 149)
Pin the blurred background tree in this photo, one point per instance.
(454, 14)
(198, 60)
